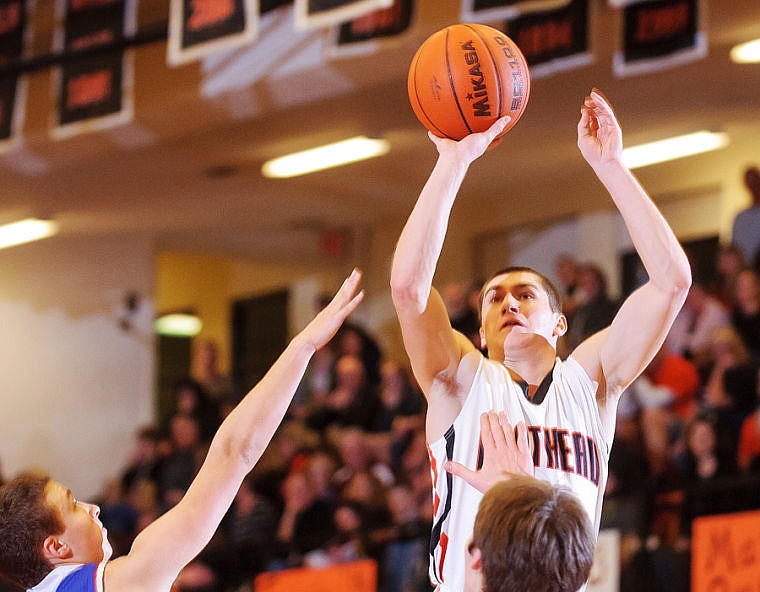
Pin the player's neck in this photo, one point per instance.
(531, 368)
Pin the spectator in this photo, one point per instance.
(144, 463)
(354, 340)
(728, 263)
(249, 529)
(748, 454)
(407, 538)
(353, 401)
(192, 400)
(724, 391)
(463, 317)
(746, 226)
(401, 411)
(205, 371)
(745, 316)
(595, 309)
(705, 466)
(567, 270)
(306, 523)
(181, 465)
(701, 314)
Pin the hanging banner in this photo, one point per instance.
(198, 28)
(310, 14)
(553, 40)
(13, 32)
(495, 10)
(659, 34)
(364, 31)
(93, 90)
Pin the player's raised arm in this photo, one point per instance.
(168, 544)
(623, 350)
(429, 340)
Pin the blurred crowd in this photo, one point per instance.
(347, 474)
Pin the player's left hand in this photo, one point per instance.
(503, 455)
(600, 138)
(327, 322)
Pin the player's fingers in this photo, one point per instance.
(498, 126)
(346, 291)
(522, 437)
(486, 432)
(583, 122)
(459, 470)
(499, 429)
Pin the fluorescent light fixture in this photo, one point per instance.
(177, 325)
(26, 231)
(324, 157)
(672, 148)
(746, 53)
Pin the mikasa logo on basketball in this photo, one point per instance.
(481, 108)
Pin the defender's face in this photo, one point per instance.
(83, 531)
(516, 310)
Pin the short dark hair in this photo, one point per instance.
(26, 519)
(533, 536)
(555, 300)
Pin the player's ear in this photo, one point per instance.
(482, 332)
(474, 558)
(560, 327)
(53, 549)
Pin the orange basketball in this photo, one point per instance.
(466, 76)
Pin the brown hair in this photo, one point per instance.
(533, 536)
(25, 521)
(555, 300)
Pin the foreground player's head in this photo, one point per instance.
(529, 535)
(42, 526)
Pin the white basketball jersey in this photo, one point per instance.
(565, 436)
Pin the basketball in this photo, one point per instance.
(465, 77)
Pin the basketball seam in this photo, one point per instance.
(451, 83)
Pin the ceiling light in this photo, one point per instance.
(746, 53)
(672, 148)
(324, 157)
(25, 231)
(177, 325)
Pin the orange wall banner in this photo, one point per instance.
(347, 577)
(726, 553)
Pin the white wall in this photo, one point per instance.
(599, 237)
(75, 386)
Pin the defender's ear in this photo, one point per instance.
(475, 558)
(53, 549)
(482, 333)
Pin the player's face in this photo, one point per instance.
(83, 532)
(516, 311)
